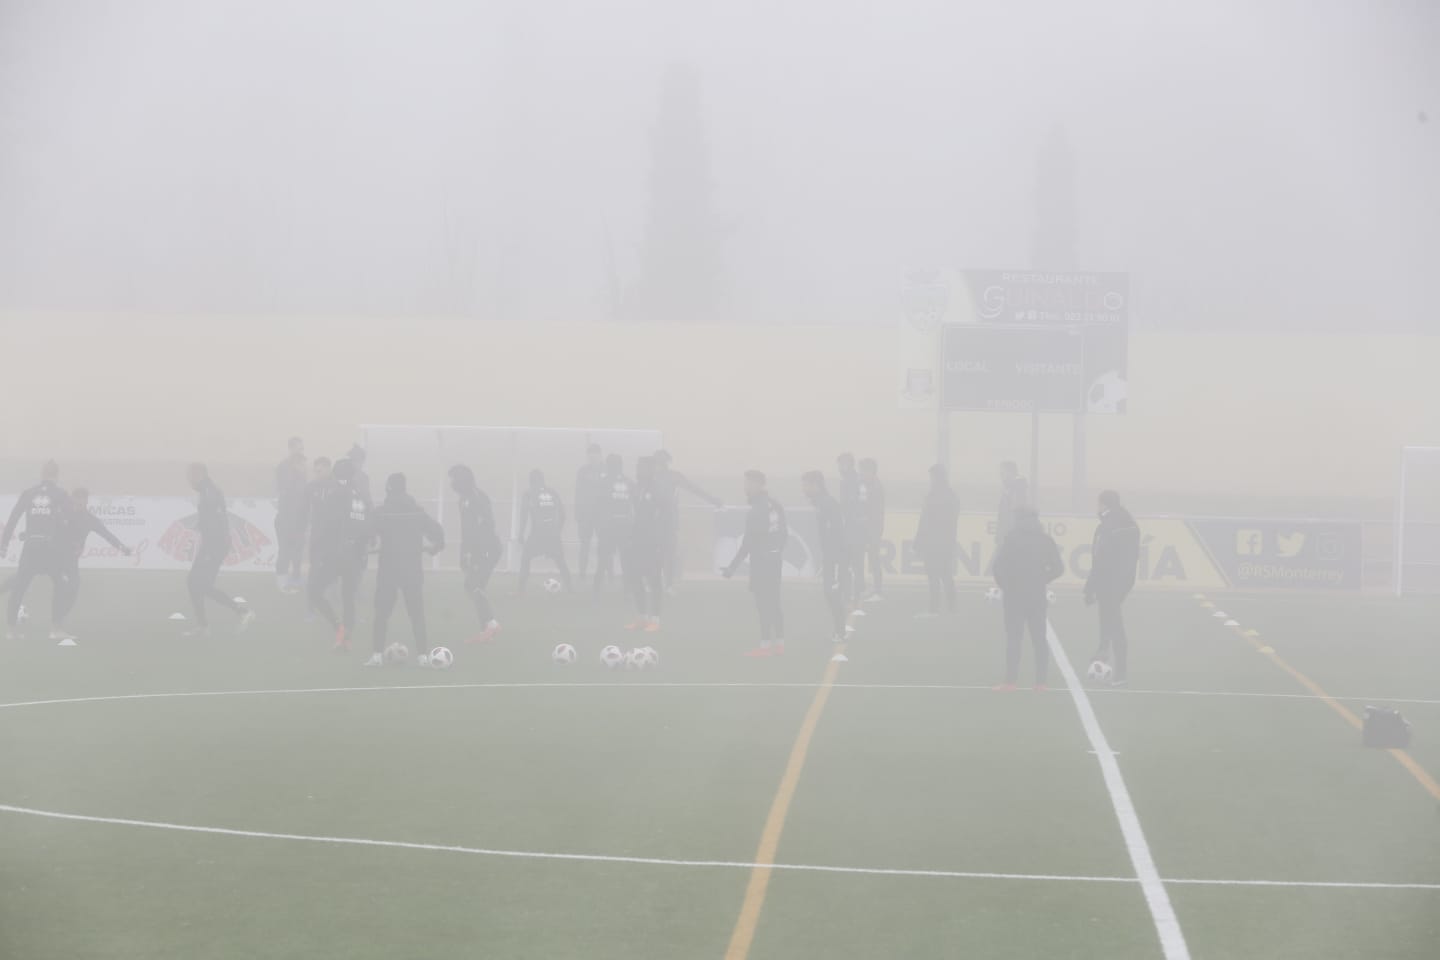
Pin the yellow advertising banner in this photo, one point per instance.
(1171, 555)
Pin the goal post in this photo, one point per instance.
(1417, 522)
(502, 458)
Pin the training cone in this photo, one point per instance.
(177, 616)
(839, 658)
(67, 642)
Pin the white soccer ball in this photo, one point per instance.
(1099, 671)
(564, 654)
(652, 656)
(1108, 393)
(441, 658)
(993, 594)
(552, 585)
(397, 653)
(637, 659)
(612, 657)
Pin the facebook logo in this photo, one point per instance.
(1249, 543)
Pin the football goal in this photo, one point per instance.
(1417, 522)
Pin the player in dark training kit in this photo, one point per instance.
(644, 556)
(935, 540)
(1025, 564)
(212, 523)
(480, 547)
(589, 501)
(316, 489)
(542, 519)
(290, 517)
(79, 524)
(834, 562)
(616, 521)
(45, 508)
(856, 521)
(766, 534)
(871, 494)
(404, 529)
(340, 538)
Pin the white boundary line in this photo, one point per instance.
(1167, 925)
(665, 685)
(666, 862)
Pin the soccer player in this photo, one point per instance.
(856, 521)
(404, 529)
(341, 534)
(1114, 556)
(764, 545)
(834, 561)
(616, 521)
(644, 556)
(589, 497)
(871, 493)
(361, 482)
(480, 547)
(1024, 566)
(1015, 493)
(668, 484)
(45, 508)
(290, 516)
(316, 489)
(935, 540)
(212, 523)
(79, 524)
(542, 518)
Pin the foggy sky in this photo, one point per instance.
(1254, 163)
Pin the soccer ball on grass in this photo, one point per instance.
(563, 654)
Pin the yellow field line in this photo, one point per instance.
(1420, 774)
(754, 902)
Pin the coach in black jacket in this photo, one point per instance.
(1026, 562)
(1114, 555)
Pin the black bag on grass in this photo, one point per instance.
(1385, 728)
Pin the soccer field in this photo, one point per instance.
(258, 796)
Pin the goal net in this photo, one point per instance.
(502, 458)
(1417, 522)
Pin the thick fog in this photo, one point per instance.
(1252, 164)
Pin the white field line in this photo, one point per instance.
(1167, 925)
(662, 685)
(667, 862)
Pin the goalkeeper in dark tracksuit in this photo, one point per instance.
(341, 534)
(480, 547)
(766, 534)
(404, 529)
(644, 555)
(542, 520)
(212, 523)
(1114, 557)
(45, 508)
(834, 561)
